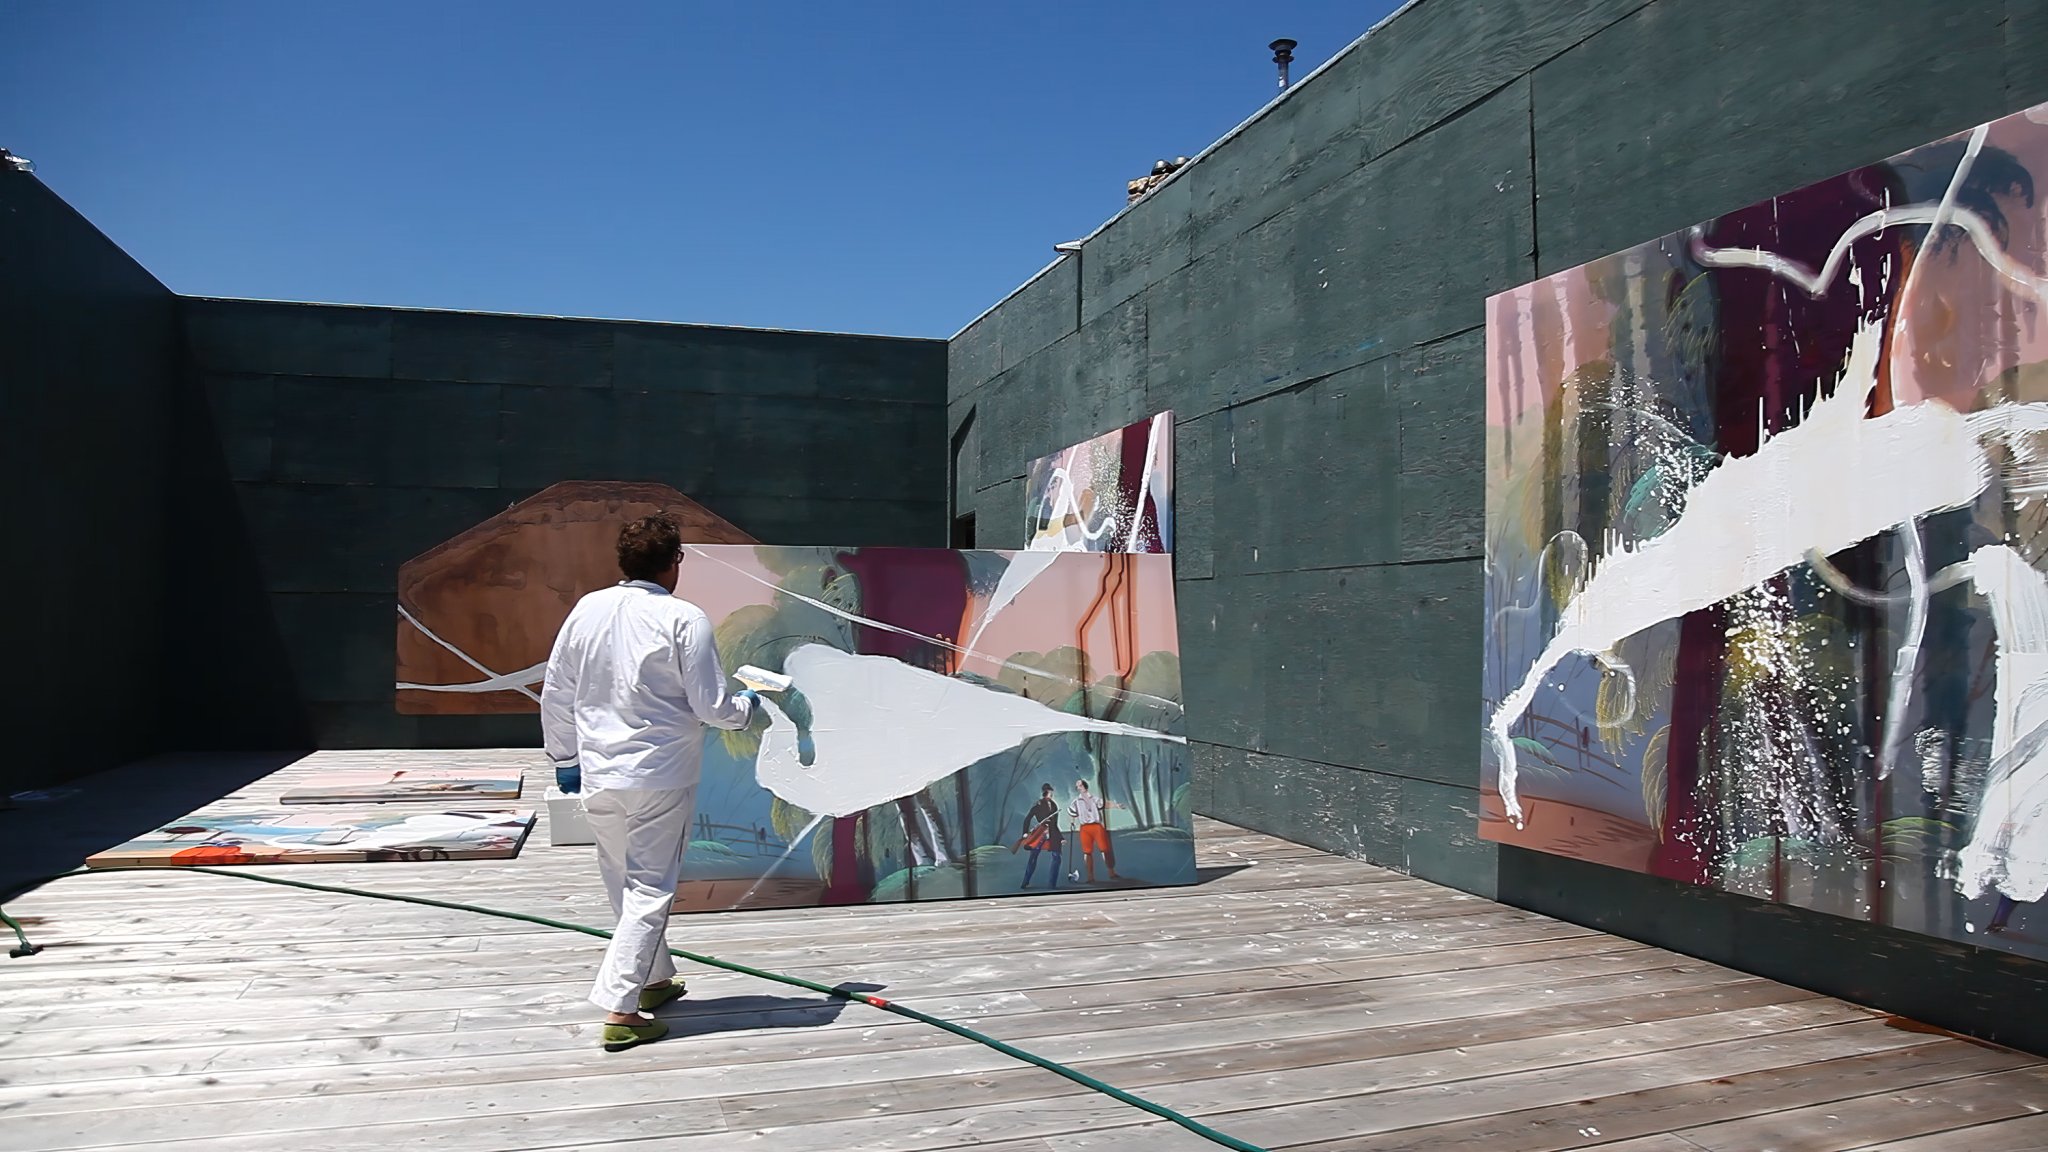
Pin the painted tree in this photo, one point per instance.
(764, 635)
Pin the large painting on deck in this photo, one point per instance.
(961, 723)
(324, 837)
(1110, 494)
(380, 785)
(1766, 541)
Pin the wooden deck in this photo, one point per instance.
(1292, 999)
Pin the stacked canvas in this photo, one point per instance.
(331, 837)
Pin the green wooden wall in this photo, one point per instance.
(352, 439)
(89, 350)
(1307, 299)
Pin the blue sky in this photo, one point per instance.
(891, 166)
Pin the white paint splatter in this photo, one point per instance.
(1152, 434)
(884, 729)
(1063, 500)
(2008, 848)
(1826, 484)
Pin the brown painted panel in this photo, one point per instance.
(498, 592)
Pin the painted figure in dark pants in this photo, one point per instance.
(1042, 834)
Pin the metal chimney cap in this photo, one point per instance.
(1282, 45)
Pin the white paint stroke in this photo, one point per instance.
(508, 682)
(883, 729)
(856, 618)
(2018, 428)
(495, 679)
(794, 841)
(1838, 581)
(2008, 847)
(1614, 666)
(1144, 484)
(1829, 482)
(1906, 661)
(1063, 495)
(1815, 283)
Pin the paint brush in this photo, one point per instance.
(762, 680)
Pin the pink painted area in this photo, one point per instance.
(706, 581)
(1541, 333)
(1047, 613)
(1959, 324)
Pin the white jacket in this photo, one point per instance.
(631, 683)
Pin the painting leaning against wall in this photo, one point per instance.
(1047, 751)
(478, 613)
(1113, 493)
(1765, 550)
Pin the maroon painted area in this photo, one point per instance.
(922, 590)
(1777, 351)
(1778, 347)
(1130, 478)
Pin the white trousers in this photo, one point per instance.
(640, 839)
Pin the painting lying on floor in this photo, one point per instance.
(324, 837)
(370, 785)
(1110, 494)
(961, 723)
(1765, 549)
(478, 614)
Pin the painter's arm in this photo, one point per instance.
(558, 703)
(704, 680)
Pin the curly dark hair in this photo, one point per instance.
(648, 546)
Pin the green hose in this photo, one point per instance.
(1053, 1066)
(24, 948)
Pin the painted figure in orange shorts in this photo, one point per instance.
(1087, 813)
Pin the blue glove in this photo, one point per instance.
(752, 698)
(806, 751)
(569, 778)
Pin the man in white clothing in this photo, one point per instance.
(1087, 813)
(631, 684)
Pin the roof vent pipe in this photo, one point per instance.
(1283, 55)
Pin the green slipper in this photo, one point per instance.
(619, 1037)
(652, 998)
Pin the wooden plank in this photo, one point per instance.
(852, 1082)
(1758, 1095)
(1926, 1109)
(1333, 1119)
(1034, 967)
(1414, 1026)
(1255, 1053)
(357, 952)
(2025, 1134)
(484, 1131)
(1278, 1012)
